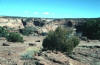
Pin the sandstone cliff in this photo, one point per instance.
(44, 24)
(12, 23)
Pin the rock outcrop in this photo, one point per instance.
(12, 23)
(45, 24)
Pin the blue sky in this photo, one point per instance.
(51, 8)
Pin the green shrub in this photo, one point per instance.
(14, 37)
(3, 32)
(39, 23)
(28, 30)
(60, 40)
(91, 29)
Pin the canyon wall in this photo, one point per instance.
(45, 24)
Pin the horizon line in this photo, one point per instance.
(45, 17)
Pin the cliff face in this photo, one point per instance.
(19, 23)
(45, 24)
(12, 23)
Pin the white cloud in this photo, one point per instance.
(46, 13)
(43, 13)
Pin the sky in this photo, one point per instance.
(51, 8)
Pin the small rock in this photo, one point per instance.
(42, 63)
(49, 51)
(32, 44)
(38, 41)
(5, 44)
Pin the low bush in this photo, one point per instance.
(60, 40)
(10, 36)
(29, 53)
(28, 30)
(14, 37)
(3, 32)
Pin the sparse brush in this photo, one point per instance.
(30, 53)
(28, 30)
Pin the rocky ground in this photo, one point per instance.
(10, 54)
(56, 58)
(88, 52)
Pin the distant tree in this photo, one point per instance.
(39, 23)
(91, 29)
(69, 24)
(28, 30)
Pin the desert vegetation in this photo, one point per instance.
(39, 23)
(3, 32)
(60, 40)
(14, 37)
(91, 29)
(10, 36)
(29, 53)
(28, 30)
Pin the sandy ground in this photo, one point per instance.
(13, 51)
(92, 43)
